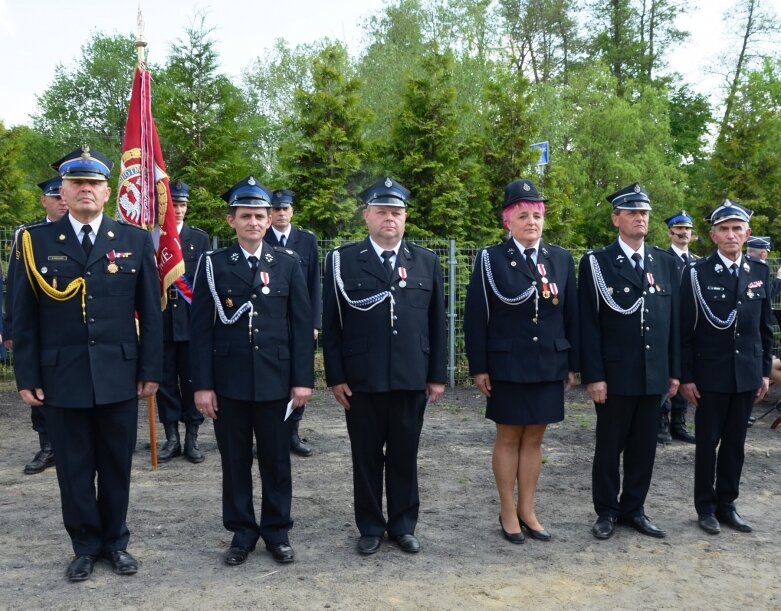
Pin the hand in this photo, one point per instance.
(570, 381)
(434, 391)
(341, 392)
(690, 392)
(483, 383)
(145, 389)
(762, 390)
(674, 385)
(33, 397)
(206, 403)
(300, 395)
(597, 391)
(317, 332)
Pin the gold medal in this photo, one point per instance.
(546, 294)
(112, 268)
(229, 303)
(555, 301)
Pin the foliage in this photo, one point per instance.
(15, 201)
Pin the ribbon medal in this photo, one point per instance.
(112, 267)
(403, 276)
(555, 291)
(264, 279)
(544, 277)
(651, 287)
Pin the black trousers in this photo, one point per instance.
(625, 425)
(38, 419)
(94, 442)
(721, 420)
(236, 421)
(676, 404)
(384, 431)
(175, 400)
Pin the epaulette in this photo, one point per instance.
(593, 251)
(29, 224)
(126, 224)
(556, 246)
(309, 231)
(215, 251)
(198, 230)
(698, 262)
(347, 245)
(664, 250)
(411, 243)
(287, 251)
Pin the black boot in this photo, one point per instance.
(678, 428)
(43, 459)
(191, 450)
(663, 436)
(296, 445)
(172, 446)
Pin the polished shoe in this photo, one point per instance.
(236, 555)
(678, 428)
(663, 434)
(122, 563)
(540, 535)
(282, 552)
(368, 544)
(516, 538)
(43, 459)
(191, 450)
(734, 520)
(408, 543)
(643, 525)
(709, 523)
(604, 527)
(80, 568)
(297, 446)
(172, 446)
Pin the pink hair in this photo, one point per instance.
(522, 204)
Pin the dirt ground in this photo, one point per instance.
(177, 533)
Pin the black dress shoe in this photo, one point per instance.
(408, 543)
(643, 525)
(80, 568)
(236, 555)
(709, 523)
(540, 535)
(734, 520)
(604, 527)
(516, 538)
(368, 544)
(122, 563)
(281, 552)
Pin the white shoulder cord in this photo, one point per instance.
(601, 287)
(513, 301)
(365, 304)
(218, 304)
(714, 320)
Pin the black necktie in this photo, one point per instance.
(685, 258)
(253, 264)
(386, 261)
(638, 268)
(529, 254)
(86, 243)
(733, 269)
(282, 240)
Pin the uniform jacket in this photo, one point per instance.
(504, 340)
(734, 359)
(304, 243)
(176, 316)
(679, 264)
(363, 348)
(278, 353)
(13, 262)
(633, 359)
(80, 362)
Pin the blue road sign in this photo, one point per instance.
(543, 148)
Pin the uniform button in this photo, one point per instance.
(255, 330)
(92, 320)
(644, 293)
(737, 334)
(89, 297)
(395, 317)
(254, 296)
(737, 351)
(395, 332)
(92, 342)
(646, 310)
(175, 305)
(648, 328)
(648, 347)
(740, 302)
(534, 339)
(393, 289)
(254, 313)
(257, 348)
(88, 274)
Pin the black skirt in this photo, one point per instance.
(514, 403)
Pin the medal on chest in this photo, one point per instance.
(264, 278)
(546, 287)
(403, 276)
(651, 286)
(112, 267)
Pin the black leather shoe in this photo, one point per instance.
(734, 520)
(516, 538)
(80, 568)
(663, 434)
(368, 544)
(236, 555)
(282, 552)
(122, 563)
(678, 428)
(709, 523)
(297, 445)
(408, 543)
(540, 535)
(643, 525)
(604, 527)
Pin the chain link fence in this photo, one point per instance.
(457, 262)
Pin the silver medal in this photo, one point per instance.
(265, 290)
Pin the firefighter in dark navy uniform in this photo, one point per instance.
(253, 356)
(304, 243)
(629, 315)
(88, 346)
(175, 401)
(726, 347)
(672, 423)
(384, 351)
(55, 209)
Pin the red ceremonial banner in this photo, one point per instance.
(144, 195)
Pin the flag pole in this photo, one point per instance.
(140, 50)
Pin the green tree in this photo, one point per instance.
(16, 203)
(322, 153)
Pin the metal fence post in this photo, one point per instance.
(451, 313)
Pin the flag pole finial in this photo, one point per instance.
(140, 42)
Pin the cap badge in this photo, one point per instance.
(85, 151)
(526, 187)
(251, 181)
(278, 194)
(388, 182)
(637, 188)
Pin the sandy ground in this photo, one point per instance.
(177, 533)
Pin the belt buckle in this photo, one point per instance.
(173, 294)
